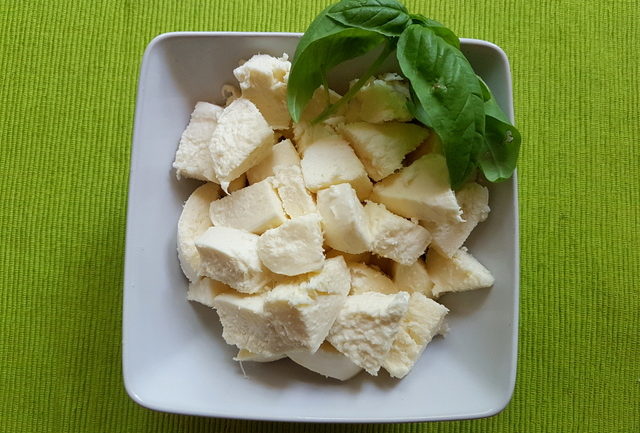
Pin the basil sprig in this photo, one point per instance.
(446, 94)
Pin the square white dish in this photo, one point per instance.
(174, 358)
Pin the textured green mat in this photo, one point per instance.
(68, 72)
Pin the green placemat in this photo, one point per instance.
(69, 71)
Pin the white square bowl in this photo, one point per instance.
(174, 358)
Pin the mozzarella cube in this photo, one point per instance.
(343, 219)
(368, 279)
(394, 237)
(319, 101)
(241, 140)
(382, 99)
(326, 361)
(263, 81)
(194, 221)
(237, 183)
(420, 324)
(382, 147)
(303, 308)
(293, 248)
(282, 153)
(246, 324)
(331, 161)
(421, 191)
(458, 273)
(449, 237)
(305, 134)
(366, 327)
(255, 208)
(412, 278)
(193, 158)
(231, 256)
(296, 199)
(204, 290)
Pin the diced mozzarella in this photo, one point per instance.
(303, 308)
(343, 219)
(382, 147)
(395, 237)
(458, 273)
(255, 208)
(331, 161)
(231, 256)
(421, 191)
(193, 158)
(241, 140)
(263, 81)
(366, 327)
(282, 153)
(293, 248)
(420, 324)
(194, 221)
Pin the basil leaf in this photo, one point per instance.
(449, 95)
(438, 28)
(325, 44)
(387, 17)
(498, 155)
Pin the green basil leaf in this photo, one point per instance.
(311, 63)
(387, 17)
(438, 28)
(449, 94)
(499, 153)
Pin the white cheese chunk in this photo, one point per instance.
(231, 256)
(368, 279)
(412, 278)
(305, 134)
(296, 199)
(420, 324)
(282, 153)
(458, 273)
(343, 219)
(382, 147)
(255, 208)
(421, 191)
(245, 355)
(304, 308)
(293, 248)
(263, 81)
(367, 326)
(331, 161)
(382, 99)
(204, 290)
(395, 237)
(194, 220)
(241, 140)
(449, 237)
(193, 158)
(326, 361)
(246, 324)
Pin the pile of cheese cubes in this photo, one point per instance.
(309, 239)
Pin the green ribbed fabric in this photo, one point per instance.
(68, 72)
